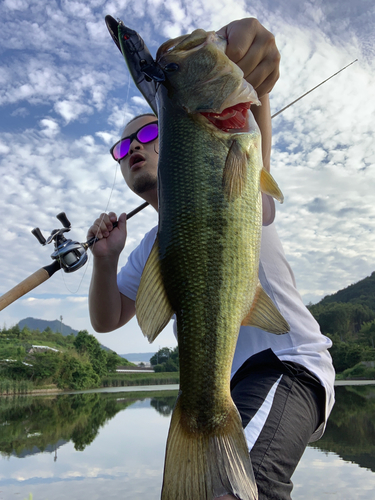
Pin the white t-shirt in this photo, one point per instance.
(304, 344)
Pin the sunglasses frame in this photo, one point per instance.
(132, 137)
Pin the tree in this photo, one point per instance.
(88, 344)
(165, 360)
(76, 374)
(367, 333)
(45, 364)
(345, 355)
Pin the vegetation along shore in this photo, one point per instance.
(34, 361)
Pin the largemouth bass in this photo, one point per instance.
(204, 263)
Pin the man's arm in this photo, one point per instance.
(109, 309)
(253, 49)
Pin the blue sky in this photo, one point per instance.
(65, 95)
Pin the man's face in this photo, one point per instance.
(140, 165)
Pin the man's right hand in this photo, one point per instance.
(111, 239)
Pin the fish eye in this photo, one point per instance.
(171, 67)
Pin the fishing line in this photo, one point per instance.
(104, 212)
(96, 235)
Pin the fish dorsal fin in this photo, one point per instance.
(235, 171)
(152, 306)
(263, 314)
(269, 186)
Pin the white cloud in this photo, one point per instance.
(50, 127)
(71, 110)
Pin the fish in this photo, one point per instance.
(204, 264)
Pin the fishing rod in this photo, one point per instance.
(71, 255)
(308, 92)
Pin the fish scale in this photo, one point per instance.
(194, 244)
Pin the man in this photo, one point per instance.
(282, 385)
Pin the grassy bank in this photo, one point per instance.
(358, 372)
(10, 387)
(131, 379)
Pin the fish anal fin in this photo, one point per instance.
(203, 465)
(152, 305)
(269, 186)
(235, 171)
(264, 314)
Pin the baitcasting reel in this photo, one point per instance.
(71, 255)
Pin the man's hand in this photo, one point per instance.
(111, 240)
(254, 50)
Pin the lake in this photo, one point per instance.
(110, 445)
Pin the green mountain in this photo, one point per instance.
(138, 356)
(56, 326)
(362, 292)
(41, 324)
(348, 318)
(347, 310)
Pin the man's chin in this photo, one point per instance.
(144, 184)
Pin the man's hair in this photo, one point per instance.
(140, 116)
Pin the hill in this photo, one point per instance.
(348, 318)
(362, 292)
(41, 324)
(143, 357)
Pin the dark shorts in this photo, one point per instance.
(281, 405)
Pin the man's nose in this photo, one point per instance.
(135, 146)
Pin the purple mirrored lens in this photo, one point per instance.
(148, 133)
(122, 149)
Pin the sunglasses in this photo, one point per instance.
(145, 134)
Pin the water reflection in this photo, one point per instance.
(86, 445)
(350, 431)
(29, 425)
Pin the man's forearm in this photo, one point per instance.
(262, 115)
(104, 296)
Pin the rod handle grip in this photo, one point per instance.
(22, 288)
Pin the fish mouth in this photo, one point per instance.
(135, 158)
(233, 117)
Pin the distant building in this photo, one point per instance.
(41, 348)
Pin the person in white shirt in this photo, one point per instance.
(281, 385)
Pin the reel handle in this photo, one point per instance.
(63, 219)
(38, 235)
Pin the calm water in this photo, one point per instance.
(111, 446)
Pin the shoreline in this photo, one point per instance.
(127, 388)
(143, 388)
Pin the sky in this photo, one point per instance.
(65, 95)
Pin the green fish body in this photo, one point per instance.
(204, 264)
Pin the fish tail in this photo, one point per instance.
(202, 466)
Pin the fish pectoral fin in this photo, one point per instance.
(235, 171)
(201, 464)
(264, 314)
(152, 305)
(269, 186)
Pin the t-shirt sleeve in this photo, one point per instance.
(129, 277)
(268, 209)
